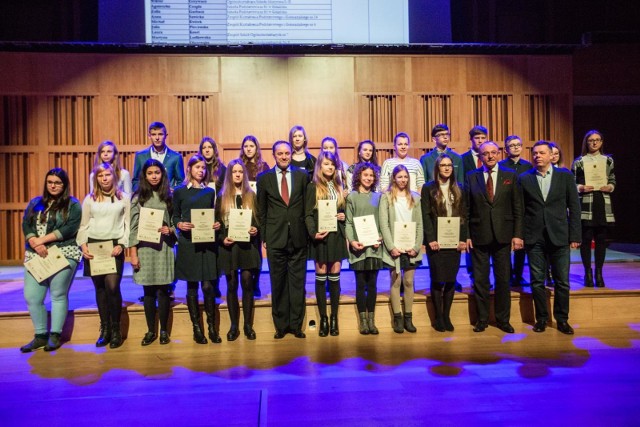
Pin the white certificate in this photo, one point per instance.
(43, 268)
(203, 220)
(595, 173)
(253, 186)
(449, 232)
(149, 222)
(327, 215)
(366, 230)
(239, 224)
(404, 235)
(102, 262)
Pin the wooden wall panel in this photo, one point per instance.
(382, 74)
(549, 74)
(432, 74)
(192, 75)
(131, 74)
(491, 74)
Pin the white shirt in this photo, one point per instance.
(105, 220)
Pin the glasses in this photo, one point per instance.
(445, 166)
(55, 183)
(443, 134)
(514, 145)
(594, 141)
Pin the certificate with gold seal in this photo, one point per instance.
(327, 215)
(43, 268)
(102, 262)
(239, 224)
(404, 235)
(203, 220)
(366, 230)
(149, 224)
(595, 173)
(448, 232)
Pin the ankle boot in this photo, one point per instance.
(105, 335)
(599, 279)
(398, 326)
(333, 325)
(447, 302)
(194, 314)
(588, 278)
(54, 342)
(408, 323)
(364, 327)
(116, 335)
(324, 326)
(249, 332)
(371, 320)
(38, 341)
(210, 310)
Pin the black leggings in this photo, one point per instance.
(599, 235)
(366, 290)
(207, 289)
(246, 282)
(108, 297)
(161, 293)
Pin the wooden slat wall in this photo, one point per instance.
(55, 113)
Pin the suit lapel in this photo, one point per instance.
(533, 182)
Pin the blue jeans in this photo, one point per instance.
(559, 257)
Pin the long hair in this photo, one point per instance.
(192, 161)
(115, 162)
(228, 192)
(439, 207)
(214, 167)
(257, 159)
(98, 194)
(54, 205)
(304, 133)
(145, 190)
(585, 144)
(322, 183)
(392, 191)
(339, 165)
(374, 156)
(357, 175)
(553, 145)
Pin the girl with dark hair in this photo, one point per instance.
(50, 220)
(330, 144)
(208, 149)
(238, 258)
(108, 153)
(196, 262)
(300, 155)
(252, 157)
(442, 198)
(366, 153)
(105, 218)
(365, 261)
(153, 263)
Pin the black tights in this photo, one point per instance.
(366, 290)
(334, 293)
(108, 297)
(207, 289)
(599, 234)
(246, 282)
(161, 293)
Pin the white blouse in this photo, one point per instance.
(105, 220)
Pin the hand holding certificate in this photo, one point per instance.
(327, 216)
(102, 261)
(43, 268)
(149, 224)
(595, 173)
(202, 220)
(448, 232)
(404, 235)
(366, 230)
(239, 224)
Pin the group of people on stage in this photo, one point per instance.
(376, 216)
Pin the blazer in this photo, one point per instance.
(388, 218)
(65, 230)
(430, 218)
(468, 162)
(428, 161)
(501, 220)
(172, 163)
(277, 220)
(559, 214)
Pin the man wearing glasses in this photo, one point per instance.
(494, 204)
(441, 137)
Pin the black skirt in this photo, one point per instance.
(86, 270)
(443, 265)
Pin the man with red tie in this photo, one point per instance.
(281, 196)
(495, 213)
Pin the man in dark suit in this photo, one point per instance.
(171, 160)
(494, 203)
(471, 161)
(513, 148)
(281, 195)
(551, 228)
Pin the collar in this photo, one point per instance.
(201, 186)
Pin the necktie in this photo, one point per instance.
(490, 187)
(284, 188)
(478, 162)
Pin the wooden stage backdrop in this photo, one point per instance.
(56, 107)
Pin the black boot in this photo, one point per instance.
(54, 342)
(38, 341)
(588, 278)
(599, 279)
(371, 317)
(324, 326)
(116, 335)
(105, 335)
(364, 325)
(398, 326)
(437, 300)
(333, 325)
(210, 310)
(408, 323)
(447, 302)
(194, 314)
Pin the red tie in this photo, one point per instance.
(490, 187)
(478, 162)
(284, 188)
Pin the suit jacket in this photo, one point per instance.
(430, 217)
(468, 162)
(277, 220)
(501, 220)
(521, 167)
(559, 214)
(428, 161)
(172, 163)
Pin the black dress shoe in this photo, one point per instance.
(279, 335)
(299, 334)
(540, 326)
(506, 327)
(480, 326)
(565, 328)
(249, 332)
(149, 337)
(233, 334)
(164, 338)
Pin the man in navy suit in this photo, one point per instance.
(494, 204)
(171, 160)
(281, 196)
(551, 228)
